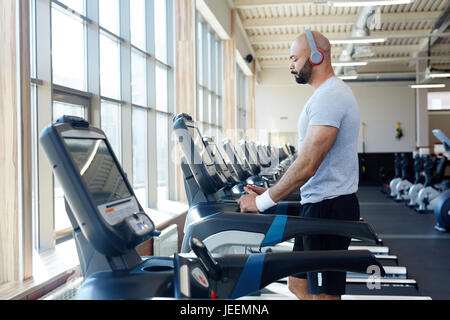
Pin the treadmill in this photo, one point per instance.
(221, 225)
(223, 233)
(106, 214)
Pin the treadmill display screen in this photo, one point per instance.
(218, 156)
(103, 178)
(198, 141)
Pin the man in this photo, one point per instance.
(326, 168)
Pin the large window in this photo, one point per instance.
(68, 49)
(109, 61)
(109, 15)
(138, 24)
(209, 113)
(111, 125)
(140, 150)
(138, 78)
(162, 126)
(109, 66)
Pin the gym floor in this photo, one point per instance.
(410, 236)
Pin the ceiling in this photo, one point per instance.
(272, 25)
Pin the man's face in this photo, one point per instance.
(300, 66)
(304, 75)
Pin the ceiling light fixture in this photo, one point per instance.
(439, 75)
(350, 64)
(358, 41)
(427, 86)
(348, 77)
(366, 3)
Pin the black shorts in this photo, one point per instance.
(341, 208)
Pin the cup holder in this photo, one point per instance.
(158, 269)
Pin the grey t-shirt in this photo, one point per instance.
(333, 104)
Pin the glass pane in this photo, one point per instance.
(200, 114)
(163, 156)
(200, 52)
(111, 125)
(137, 23)
(218, 68)
(161, 30)
(109, 67)
(139, 125)
(61, 220)
(61, 109)
(210, 109)
(34, 153)
(209, 63)
(33, 38)
(77, 5)
(219, 112)
(68, 50)
(161, 88)
(138, 79)
(109, 15)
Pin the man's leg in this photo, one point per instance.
(299, 287)
(325, 297)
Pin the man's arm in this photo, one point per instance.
(317, 144)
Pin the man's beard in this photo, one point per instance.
(304, 76)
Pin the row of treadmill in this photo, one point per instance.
(225, 254)
(429, 190)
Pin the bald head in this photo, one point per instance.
(301, 45)
(301, 67)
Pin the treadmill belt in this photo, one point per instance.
(386, 290)
(388, 262)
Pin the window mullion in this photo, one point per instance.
(93, 61)
(45, 225)
(125, 71)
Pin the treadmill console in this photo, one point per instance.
(199, 160)
(219, 160)
(100, 197)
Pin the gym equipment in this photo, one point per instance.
(442, 212)
(403, 186)
(113, 223)
(434, 186)
(442, 203)
(397, 178)
(234, 188)
(221, 225)
(417, 186)
(224, 230)
(265, 166)
(248, 175)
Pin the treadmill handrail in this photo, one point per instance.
(259, 270)
(278, 228)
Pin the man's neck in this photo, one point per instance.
(319, 79)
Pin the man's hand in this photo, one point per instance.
(248, 202)
(255, 189)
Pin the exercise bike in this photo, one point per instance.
(397, 177)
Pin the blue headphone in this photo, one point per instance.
(316, 58)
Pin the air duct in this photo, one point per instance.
(360, 29)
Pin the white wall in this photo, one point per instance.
(381, 104)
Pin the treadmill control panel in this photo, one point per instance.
(139, 223)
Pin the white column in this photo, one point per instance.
(422, 131)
